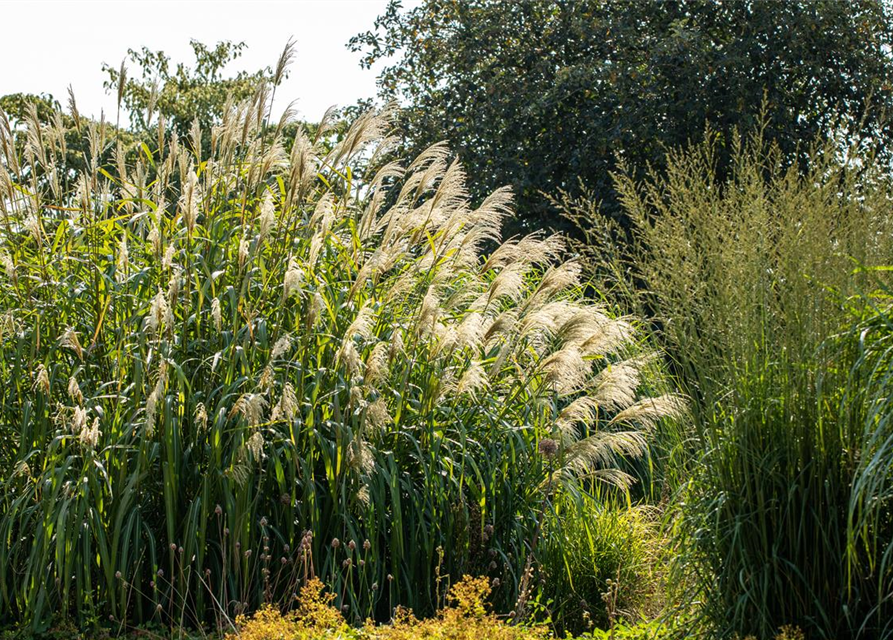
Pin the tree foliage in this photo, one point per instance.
(544, 94)
(182, 93)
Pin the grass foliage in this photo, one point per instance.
(227, 371)
(765, 288)
(600, 563)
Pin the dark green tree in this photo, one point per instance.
(543, 94)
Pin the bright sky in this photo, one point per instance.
(49, 44)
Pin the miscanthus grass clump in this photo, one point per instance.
(236, 361)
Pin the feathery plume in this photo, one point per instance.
(362, 325)
(244, 250)
(648, 412)
(42, 379)
(509, 283)
(288, 53)
(348, 356)
(530, 250)
(216, 315)
(73, 108)
(267, 216)
(314, 308)
(122, 82)
(294, 277)
(89, 436)
(74, 391)
(200, 416)
(122, 261)
(377, 414)
(160, 314)
(189, 200)
(282, 346)
(473, 380)
(8, 267)
(173, 288)
(608, 339)
(287, 407)
(428, 313)
(167, 262)
(615, 386)
(251, 407)
(360, 456)
(77, 419)
(154, 240)
(583, 411)
(565, 370)
(255, 445)
(555, 280)
(377, 363)
(69, 340)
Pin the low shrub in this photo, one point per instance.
(465, 618)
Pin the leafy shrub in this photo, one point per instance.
(315, 616)
(226, 373)
(642, 631)
(752, 281)
(465, 618)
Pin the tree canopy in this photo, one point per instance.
(545, 94)
(183, 93)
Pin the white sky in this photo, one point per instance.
(48, 44)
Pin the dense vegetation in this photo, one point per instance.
(278, 380)
(543, 95)
(226, 373)
(772, 291)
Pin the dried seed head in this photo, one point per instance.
(314, 308)
(244, 250)
(154, 239)
(548, 447)
(377, 363)
(251, 407)
(216, 315)
(201, 420)
(282, 346)
(167, 261)
(160, 314)
(70, 340)
(74, 391)
(255, 444)
(267, 216)
(8, 267)
(377, 414)
(42, 379)
(89, 437)
(287, 406)
(294, 277)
